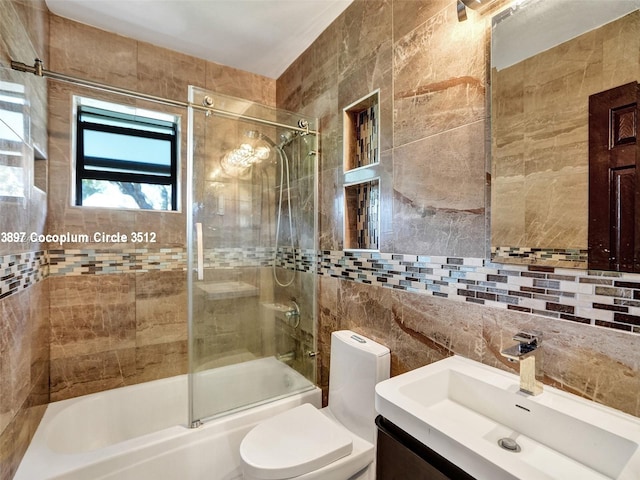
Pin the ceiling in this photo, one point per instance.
(259, 36)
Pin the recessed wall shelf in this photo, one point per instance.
(361, 157)
(362, 218)
(361, 132)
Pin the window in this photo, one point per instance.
(14, 135)
(125, 157)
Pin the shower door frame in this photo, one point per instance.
(303, 128)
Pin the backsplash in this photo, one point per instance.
(604, 299)
(557, 257)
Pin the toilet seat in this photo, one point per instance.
(293, 443)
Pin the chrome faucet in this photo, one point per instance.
(528, 353)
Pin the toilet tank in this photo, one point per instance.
(357, 365)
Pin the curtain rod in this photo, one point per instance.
(39, 70)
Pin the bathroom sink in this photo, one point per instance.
(462, 409)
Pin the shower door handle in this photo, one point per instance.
(199, 251)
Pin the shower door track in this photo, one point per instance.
(39, 70)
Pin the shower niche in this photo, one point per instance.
(361, 154)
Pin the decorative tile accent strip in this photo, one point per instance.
(606, 299)
(527, 255)
(297, 259)
(21, 270)
(108, 261)
(238, 257)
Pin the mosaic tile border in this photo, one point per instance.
(22, 270)
(561, 257)
(238, 257)
(604, 299)
(297, 259)
(106, 261)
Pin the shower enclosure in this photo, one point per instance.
(251, 233)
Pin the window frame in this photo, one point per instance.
(106, 167)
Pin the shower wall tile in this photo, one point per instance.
(24, 315)
(15, 439)
(87, 52)
(24, 371)
(140, 67)
(161, 360)
(291, 98)
(166, 73)
(110, 330)
(119, 309)
(92, 314)
(93, 333)
(331, 209)
(15, 361)
(94, 372)
(161, 308)
(238, 83)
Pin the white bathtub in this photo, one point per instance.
(139, 432)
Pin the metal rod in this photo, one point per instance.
(38, 70)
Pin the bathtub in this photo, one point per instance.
(139, 432)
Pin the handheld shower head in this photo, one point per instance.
(286, 138)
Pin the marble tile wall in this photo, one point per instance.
(137, 66)
(118, 311)
(432, 74)
(24, 297)
(116, 329)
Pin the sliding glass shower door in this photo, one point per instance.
(251, 228)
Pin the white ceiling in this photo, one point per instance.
(259, 36)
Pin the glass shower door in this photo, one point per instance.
(251, 231)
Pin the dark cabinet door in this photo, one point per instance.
(399, 456)
(614, 197)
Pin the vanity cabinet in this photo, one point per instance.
(400, 457)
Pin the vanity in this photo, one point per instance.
(460, 419)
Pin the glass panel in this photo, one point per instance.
(112, 194)
(149, 151)
(252, 304)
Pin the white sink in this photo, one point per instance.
(461, 408)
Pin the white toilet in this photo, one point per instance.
(334, 443)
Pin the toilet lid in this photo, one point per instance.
(293, 443)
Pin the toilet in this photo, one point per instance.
(333, 443)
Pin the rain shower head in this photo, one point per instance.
(255, 134)
(285, 138)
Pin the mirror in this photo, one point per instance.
(547, 58)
